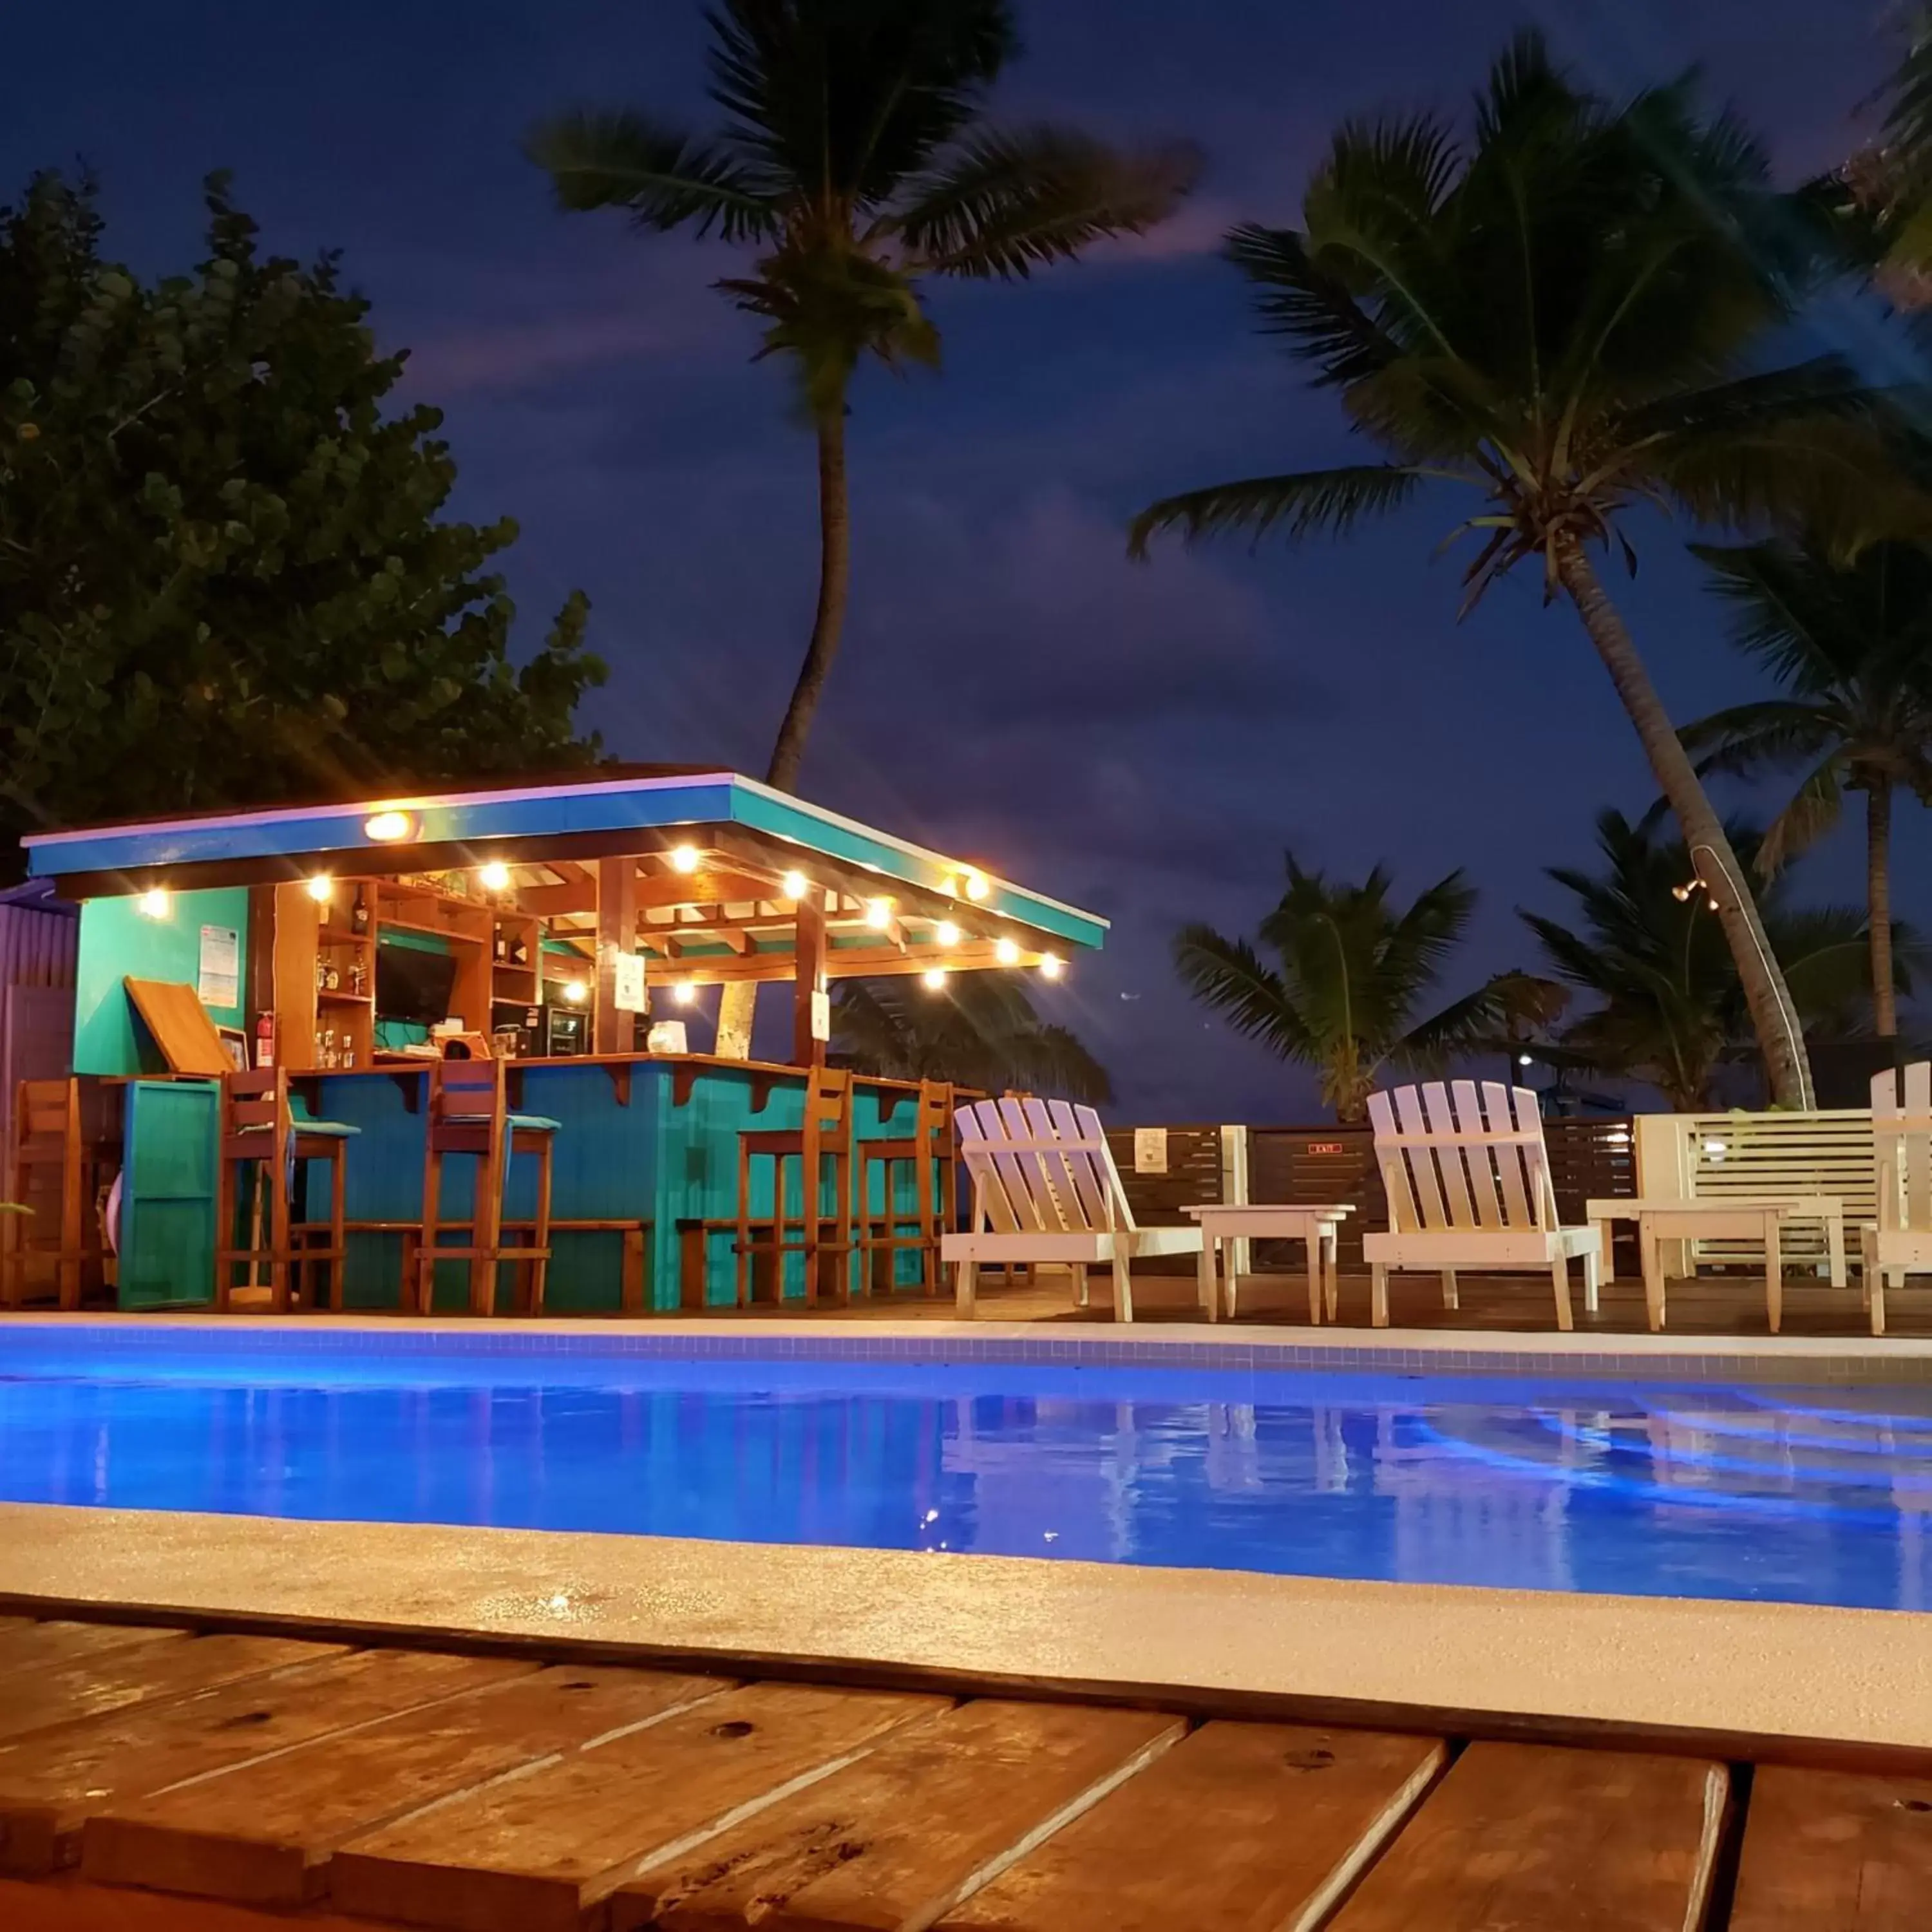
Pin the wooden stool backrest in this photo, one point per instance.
(469, 1093)
(936, 1104)
(828, 1106)
(47, 1109)
(257, 1099)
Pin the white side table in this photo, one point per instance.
(1738, 1217)
(1319, 1226)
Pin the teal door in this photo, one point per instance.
(167, 1195)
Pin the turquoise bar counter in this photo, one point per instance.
(648, 1142)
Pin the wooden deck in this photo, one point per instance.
(155, 1780)
(1711, 1304)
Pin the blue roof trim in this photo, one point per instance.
(476, 818)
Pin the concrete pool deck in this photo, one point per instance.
(1493, 1662)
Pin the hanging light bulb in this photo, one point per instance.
(684, 992)
(684, 859)
(946, 933)
(576, 991)
(321, 888)
(934, 977)
(495, 876)
(1051, 965)
(156, 902)
(1007, 952)
(796, 885)
(878, 914)
(976, 887)
(387, 828)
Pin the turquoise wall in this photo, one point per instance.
(118, 941)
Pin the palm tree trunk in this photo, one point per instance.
(1878, 902)
(738, 1005)
(1774, 1018)
(835, 567)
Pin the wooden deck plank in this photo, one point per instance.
(1240, 1828)
(1523, 1835)
(169, 1668)
(51, 1781)
(892, 1841)
(46, 1645)
(531, 1854)
(69, 1904)
(263, 1833)
(1832, 1852)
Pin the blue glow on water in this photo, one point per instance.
(1803, 1495)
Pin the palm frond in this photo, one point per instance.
(662, 177)
(1007, 202)
(1227, 977)
(1464, 1026)
(1814, 809)
(1748, 739)
(1316, 309)
(1329, 502)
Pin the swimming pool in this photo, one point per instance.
(1802, 1496)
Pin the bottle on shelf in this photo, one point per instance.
(359, 919)
(499, 945)
(359, 977)
(334, 983)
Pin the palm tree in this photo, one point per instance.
(854, 157)
(1558, 315)
(1354, 969)
(1669, 1008)
(1853, 644)
(980, 1030)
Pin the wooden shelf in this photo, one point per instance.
(455, 932)
(334, 996)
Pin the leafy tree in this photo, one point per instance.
(1852, 643)
(1354, 969)
(224, 578)
(979, 1030)
(1669, 1007)
(855, 157)
(1559, 315)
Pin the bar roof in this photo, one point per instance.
(641, 811)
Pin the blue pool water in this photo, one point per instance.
(1807, 1495)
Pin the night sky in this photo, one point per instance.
(1142, 740)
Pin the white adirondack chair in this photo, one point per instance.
(1471, 1188)
(1901, 1242)
(1045, 1188)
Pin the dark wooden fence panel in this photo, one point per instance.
(1194, 1175)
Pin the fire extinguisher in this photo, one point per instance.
(264, 1041)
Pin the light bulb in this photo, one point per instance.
(387, 828)
(321, 888)
(1524, 1060)
(1051, 965)
(1007, 952)
(976, 887)
(495, 876)
(156, 902)
(576, 991)
(796, 885)
(684, 859)
(878, 914)
(946, 933)
(684, 992)
(934, 977)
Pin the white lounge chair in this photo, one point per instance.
(1471, 1188)
(1901, 1243)
(1045, 1189)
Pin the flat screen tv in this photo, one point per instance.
(411, 984)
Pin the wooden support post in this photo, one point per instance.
(809, 949)
(613, 1031)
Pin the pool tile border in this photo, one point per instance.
(1651, 1358)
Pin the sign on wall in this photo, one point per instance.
(627, 982)
(218, 982)
(1149, 1150)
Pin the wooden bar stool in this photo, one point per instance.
(468, 1113)
(929, 1150)
(55, 1170)
(261, 1131)
(826, 1134)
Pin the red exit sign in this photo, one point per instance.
(1324, 1147)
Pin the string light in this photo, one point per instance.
(156, 902)
(387, 828)
(1051, 965)
(934, 977)
(321, 888)
(575, 991)
(976, 887)
(1007, 952)
(684, 992)
(946, 933)
(796, 884)
(684, 859)
(878, 914)
(495, 876)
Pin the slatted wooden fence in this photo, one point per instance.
(155, 1780)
